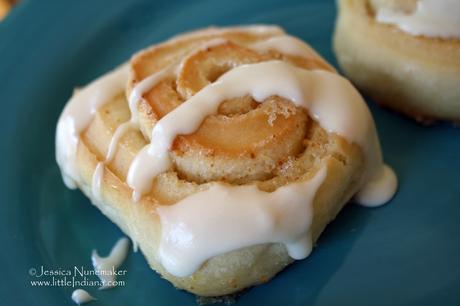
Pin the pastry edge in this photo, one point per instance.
(371, 53)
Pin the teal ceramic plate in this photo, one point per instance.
(405, 253)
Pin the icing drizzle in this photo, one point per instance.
(77, 115)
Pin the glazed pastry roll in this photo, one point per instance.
(404, 53)
(222, 153)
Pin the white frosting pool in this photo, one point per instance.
(105, 267)
(80, 296)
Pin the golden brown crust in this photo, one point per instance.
(310, 149)
(416, 75)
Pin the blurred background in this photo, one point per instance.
(5, 6)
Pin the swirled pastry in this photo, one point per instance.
(223, 153)
(404, 53)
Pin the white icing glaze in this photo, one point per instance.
(288, 45)
(119, 132)
(149, 82)
(284, 44)
(225, 218)
(144, 86)
(80, 296)
(379, 190)
(135, 245)
(433, 18)
(105, 266)
(98, 175)
(133, 101)
(329, 98)
(76, 116)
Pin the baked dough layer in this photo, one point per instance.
(415, 75)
